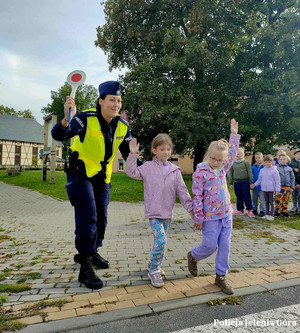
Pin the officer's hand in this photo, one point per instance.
(134, 146)
(69, 103)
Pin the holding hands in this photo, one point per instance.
(134, 146)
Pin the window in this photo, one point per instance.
(35, 157)
(120, 164)
(17, 155)
(34, 151)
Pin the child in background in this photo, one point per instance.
(269, 181)
(279, 152)
(241, 176)
(287, 184)
(162, 181)
(257, 192)
(295, 165)
(212, 207)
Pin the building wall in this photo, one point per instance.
(185, 163)
(9, 151)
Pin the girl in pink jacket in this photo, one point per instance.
(162, 182)
(212, 206)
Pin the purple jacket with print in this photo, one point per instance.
(159, 189)
(269, 180)
(211, 196)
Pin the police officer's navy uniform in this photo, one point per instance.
(89, 172)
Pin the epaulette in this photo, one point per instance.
(90, 112)
(124, 121)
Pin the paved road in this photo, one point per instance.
(40, 238)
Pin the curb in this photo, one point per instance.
(150, 309)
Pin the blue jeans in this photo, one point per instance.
(216, 235)
(242, 192)
(90, 198)
(255, 195)
(159, 228)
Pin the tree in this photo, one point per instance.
(86, 97)
(271, 83)
(11, 111)
(189, 63)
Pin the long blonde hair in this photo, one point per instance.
(220, 145)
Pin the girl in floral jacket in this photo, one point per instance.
(212, 206)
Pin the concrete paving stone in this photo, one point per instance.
(54, 296)
(52, 291)
(12, 298)
(127, 228)
(31, 298)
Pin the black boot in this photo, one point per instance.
(97, 260)
(87, 275)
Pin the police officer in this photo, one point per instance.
(99, 133)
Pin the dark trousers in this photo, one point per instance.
(242, 192)
(90, 198)
(269, 199)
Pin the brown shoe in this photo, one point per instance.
(221, 282)
(192, 264)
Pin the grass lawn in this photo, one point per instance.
(123, 187)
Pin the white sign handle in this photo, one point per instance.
(75, 79)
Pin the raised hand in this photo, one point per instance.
(134, 146)
(69, 103)
(234, 126)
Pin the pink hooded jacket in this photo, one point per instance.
(159, 189)
(211, 197)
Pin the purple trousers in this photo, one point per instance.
(216, 236)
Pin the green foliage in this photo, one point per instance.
(194, 65)
(14, 288)
(86, 97)
(11, 111)
(3, 299)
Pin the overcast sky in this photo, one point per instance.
(41, 42)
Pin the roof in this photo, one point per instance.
(15, 128)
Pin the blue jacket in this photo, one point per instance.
(255, 171)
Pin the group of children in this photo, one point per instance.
(271, 182)
(210, 207)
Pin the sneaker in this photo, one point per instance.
(250, 213)
(261, 214)
(255, 212)
(239, 212)
(285, 214)
(265, 217)
(192, 264)
(276, 214)
(221, 282)
(270, 217)
(156, 279)
(162, 272)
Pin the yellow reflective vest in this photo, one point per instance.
(92, 150)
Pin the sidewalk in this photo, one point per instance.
(38, 237)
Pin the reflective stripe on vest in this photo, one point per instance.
(92, 149)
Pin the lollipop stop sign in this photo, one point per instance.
(75, 79)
